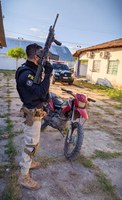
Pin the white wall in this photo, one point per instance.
(9, 63)
(114, 80)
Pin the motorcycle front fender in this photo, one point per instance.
(82, 112)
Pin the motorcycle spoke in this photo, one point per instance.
(72, 141)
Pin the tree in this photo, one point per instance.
(16, 53)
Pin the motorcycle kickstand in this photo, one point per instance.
(62, 133)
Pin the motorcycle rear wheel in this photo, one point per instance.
(72, 145)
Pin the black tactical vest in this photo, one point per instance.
(18, 72)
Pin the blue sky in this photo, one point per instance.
(81, 23)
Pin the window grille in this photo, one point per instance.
(112, 67)
(96, 66)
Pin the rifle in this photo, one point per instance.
(45, 51)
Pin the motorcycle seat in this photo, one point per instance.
(59, 103)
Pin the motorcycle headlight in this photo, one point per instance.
(81, 104)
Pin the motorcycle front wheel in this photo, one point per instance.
(73, 142)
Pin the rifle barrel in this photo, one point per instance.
(55, 21)
(48, 43)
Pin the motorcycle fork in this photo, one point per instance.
(82, 121)
(70, 124)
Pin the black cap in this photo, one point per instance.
(31, 49)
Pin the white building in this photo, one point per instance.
(10, 63)
(101, 63)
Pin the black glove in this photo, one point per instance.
(48, 68)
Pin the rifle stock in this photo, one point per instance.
(45, 51)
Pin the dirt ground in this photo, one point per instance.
(61, 179)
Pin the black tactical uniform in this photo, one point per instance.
(32, 95)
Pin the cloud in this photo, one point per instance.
(34, 29)
(43, 36)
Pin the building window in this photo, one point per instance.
(96, 66)
(112, 67)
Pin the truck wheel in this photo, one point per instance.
(70, 83)
(53, 80)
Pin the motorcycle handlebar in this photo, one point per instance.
(68, 91)
(89, 99)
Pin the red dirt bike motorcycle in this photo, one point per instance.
(68, 117)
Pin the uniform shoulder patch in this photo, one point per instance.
(29, 83)
(30, 76)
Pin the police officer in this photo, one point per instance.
(32, 95)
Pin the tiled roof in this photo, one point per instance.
(2, 35)
(112, 44)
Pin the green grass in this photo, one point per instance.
(90, 187)
(105, 155)
(7, 72)
(109, 111)
(18, 132)
(2, 171)
(106, 185)
(12, 191)
(46, 160)
(86, 162)
(9, 127)
(4, 115)
(8, 92)
(10, 150)
(117, 106)
(113, 93)
(1, 131)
